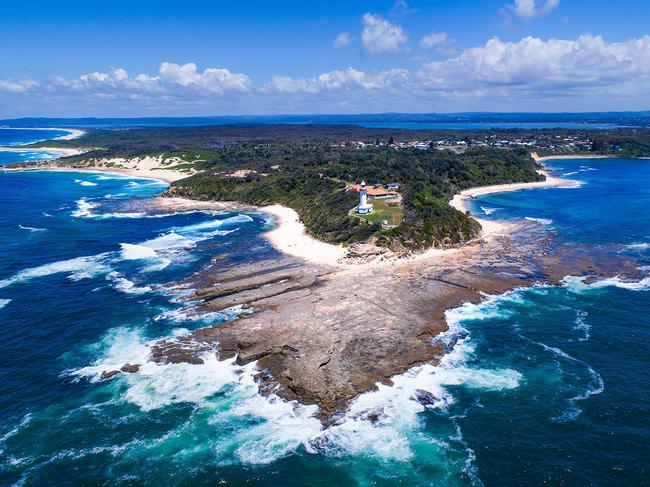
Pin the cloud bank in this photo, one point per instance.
(587, 73)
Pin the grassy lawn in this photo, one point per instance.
(384, 210)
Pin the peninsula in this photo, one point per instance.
(350, 301)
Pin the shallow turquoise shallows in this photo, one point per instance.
(545, 385)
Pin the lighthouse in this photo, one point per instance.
(363, 208)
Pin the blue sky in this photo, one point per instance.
(139, 58)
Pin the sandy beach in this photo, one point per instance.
(58, 150)
(493, 227)
(290, 237)
(146, 167)
(74, 133)
(567, 156)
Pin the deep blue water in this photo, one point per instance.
(460, 121)
(489, 125)
(21, 136)
(544, 385)
(13, 138)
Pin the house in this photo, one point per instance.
(377, 193)
(392, 186)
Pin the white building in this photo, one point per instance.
(363, 208)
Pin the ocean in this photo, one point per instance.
(542, 385)
(13, 138)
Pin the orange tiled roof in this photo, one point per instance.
(375, 191)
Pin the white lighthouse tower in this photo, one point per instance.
(363, 208)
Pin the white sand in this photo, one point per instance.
(289, 236)
(58, 150)
(494, 227)
(74, 133)
(145, 167)
(568, 156)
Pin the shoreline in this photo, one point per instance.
(290, 237)
(461, 200)
(164, 175)
(64, 151)
(568, 156)
(74, 133)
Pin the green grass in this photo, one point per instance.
(384, 210)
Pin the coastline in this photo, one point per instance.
(569, 156)
(461, 200)
(74, 133)
(289, 235)
(165, 175)
(64, 151)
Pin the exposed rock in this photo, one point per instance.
(107, 374)
(425, 398)
(322, 335)
(130, 368)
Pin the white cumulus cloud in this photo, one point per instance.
(381, 36)
(529, 9)
(438, 41)
(587, 73)
(342, 40)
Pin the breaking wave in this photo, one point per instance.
(582, 326)
(541, 221)
(32, 229)
(84, 208)
(81, 182)
(638, 247)
(578, 285)
(77, 269)
(489, 211)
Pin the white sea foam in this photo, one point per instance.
(109, 216)
(142, 252)
(4, 302)
(577, 284)
(107, 177)
(638, 246)
(32, 229)
(169, 241)
(265, 428)
(124, 285)
(384, 422)
(573, 185)
(188, 313)
(84, 183)
(78, 268)
(541, 221)
(489, 211)
(84, 208)
(137, 252)
(595, 385)
(569, 173)
(582, 326)
(211, 225)
(257, 430)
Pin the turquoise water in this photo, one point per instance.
(544, 385)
